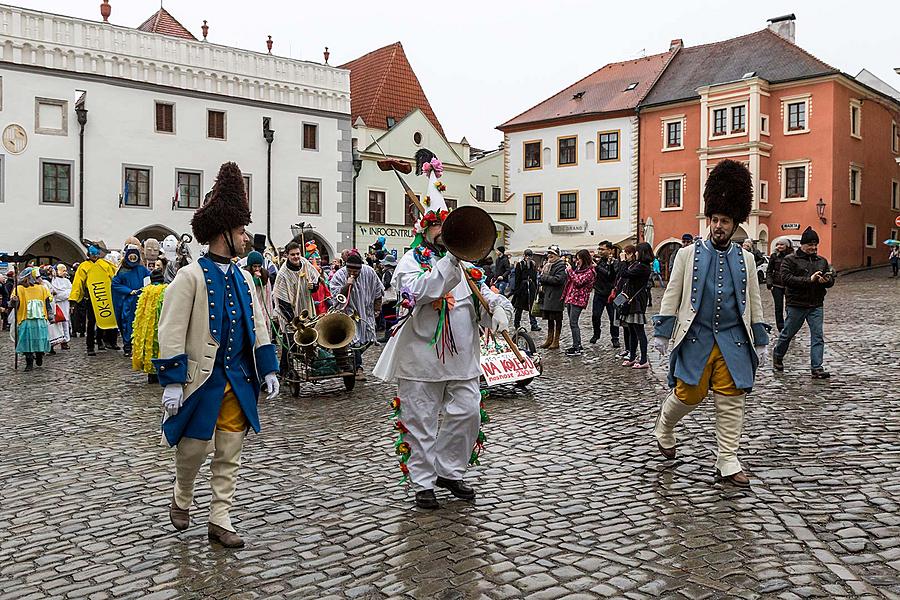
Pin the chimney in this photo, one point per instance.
(205, 29)
(676, 44)
(785, 26)
(105, 10)
(269, 44)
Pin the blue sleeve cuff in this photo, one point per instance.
(266, 361)
(171, 370)
(663, 325)
(761, 334)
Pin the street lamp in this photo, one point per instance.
(820, 210)
(357, 167)
(269, 137)
(81, 113)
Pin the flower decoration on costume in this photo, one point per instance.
(440, 186)
(426, 201)
(435, 165)
(401, 446)
(475, 273)
(478, 448)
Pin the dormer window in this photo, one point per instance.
(391, 121)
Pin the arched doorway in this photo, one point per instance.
(763, 245)
(665, 254)
(157, 232)
(55, 248)
(325, 251)
(740, 235)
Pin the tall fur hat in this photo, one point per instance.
(729, 191)
(225, 206)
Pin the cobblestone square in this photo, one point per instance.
(573, 499)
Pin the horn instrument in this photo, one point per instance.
(335, 330)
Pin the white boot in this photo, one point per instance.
(729, 424)
(224, 467)
(189, 456)
(671, 412)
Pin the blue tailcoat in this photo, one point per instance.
(231, 325)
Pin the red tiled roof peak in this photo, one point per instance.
(164, 23)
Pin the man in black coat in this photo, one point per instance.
(606, 267)
(525, 290)
(806, 277)
(501, 270)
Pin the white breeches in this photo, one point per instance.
(443, 451)
(190, 453)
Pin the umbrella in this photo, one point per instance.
(892, 242)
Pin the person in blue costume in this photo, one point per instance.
(214, 350)
(126, 286)
(712, 312)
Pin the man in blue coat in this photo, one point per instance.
(126, 286)
(214, 351)
(712, 311)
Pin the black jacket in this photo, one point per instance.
(634, 284)
(799, 290)
(607, 271)
(525, 292)
(501, 267)
(773, 271)
(553, 284)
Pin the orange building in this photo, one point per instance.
(822, 147)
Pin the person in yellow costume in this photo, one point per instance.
(96, 274)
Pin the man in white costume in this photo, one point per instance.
(434, 354)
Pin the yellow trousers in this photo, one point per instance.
(231, 415)
(716, 376)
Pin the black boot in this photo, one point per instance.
(457, 487)
(427, 499)
(778, 363)
(29, 362)
(126, 349)
(39, 358)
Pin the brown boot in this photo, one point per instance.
(180, 517)
(555, 344)
(229, 539)
(549, 341)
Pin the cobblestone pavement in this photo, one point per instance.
(573, 501)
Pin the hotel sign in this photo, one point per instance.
(568, 227)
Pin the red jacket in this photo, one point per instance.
(578, 287)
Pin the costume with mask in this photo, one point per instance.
(100, 323)
(31, 300)
(126, 286)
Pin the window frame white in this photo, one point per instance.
(666, 121)
(855, 189)
(874, 228)
(728, 107)
(763, 191)
(786, 102)
(895, 195)
(764, 124)
(782, 176)
(856, 122)
(63, 105)
(680, 177)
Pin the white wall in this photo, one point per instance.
(587, 177)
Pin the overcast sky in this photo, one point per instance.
(483, 62)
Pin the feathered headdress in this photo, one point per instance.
(224, 208)
(729, 191)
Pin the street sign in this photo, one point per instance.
(504, 368)
(790, 226)
(897, 221)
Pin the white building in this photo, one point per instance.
(163, 111)
(572, 160)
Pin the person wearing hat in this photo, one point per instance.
(806, 277)
(359, 283)
(553, 282)
(389, 299)
(434, 354)
(782, 248)
(102, 269)
(31, 301)
(255, 265)
(214, 350)
(60, 288)
(126, 285)
(712, 311)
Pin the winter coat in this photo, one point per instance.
(501, 267)
(773, 272)
(799, 290)
(606, 272)
(634, 285)
(525, 291)
(552, 284)
(578, 287)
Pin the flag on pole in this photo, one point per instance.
(123, 197)
(175, 198)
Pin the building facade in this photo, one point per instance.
(110, 132)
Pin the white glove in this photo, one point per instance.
(272, 385)
(762, 352)
(661, 345)
(173, 398)
(499, 320)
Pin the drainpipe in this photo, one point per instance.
(357, 167)
(269, 136)
(637, 189)
(81, 113)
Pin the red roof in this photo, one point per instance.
(604, 90)
(383, 84)
(164, 23)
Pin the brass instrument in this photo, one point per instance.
(335, 330)
(305, 334)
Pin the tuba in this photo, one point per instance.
(335, 330)
(469, 233)
(305, 335)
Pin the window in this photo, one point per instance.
(189, 186)
(215, 124)
(796, 116)
(608, 204)
(417, 138)
(534, 208)
(720, 121)
(764, 124)
(479, 193)
(738, 119)
(451, 203)
(855, 185)
(673, 134)
(165, 117)
(608, 142)
(568, 206)
(495, 194)
(763, 191)
(309, 197)
(56, 182)
(795, 182)
(248, 188)
(855, 119)
(410, 212)
(310, 136)
(631, 86)
(870, 235)
(895, 137)
(532, 151)
(895, 195)
(568, 151)
(136, 188)
(672, 193)
(376, 206)
(51, 117)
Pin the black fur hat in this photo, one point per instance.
(729, 191)
(224, 208)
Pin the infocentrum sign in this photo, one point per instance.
(397, 237)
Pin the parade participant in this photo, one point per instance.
(256, 267)
(60, 288)
(103, 271)
(296, 280)
(773, 278)
(389, 299)
(359, 283)
(806, 277)
(31, 301)
(215, 350)
(321, 294)
(126, 286)
(712, 310)
(434, 355)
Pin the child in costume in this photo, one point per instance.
(31, 300)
